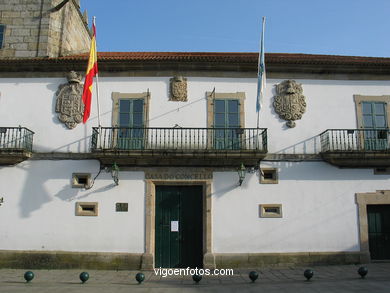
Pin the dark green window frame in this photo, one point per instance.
(226, 113)
(375, 125)
(131, 113)
(374, 115)
(226, 124)
(131, 123)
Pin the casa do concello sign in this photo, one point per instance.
(179, 176)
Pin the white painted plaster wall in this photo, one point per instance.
(318, 205)
(31, 103)
(38, 212)
(319, 209)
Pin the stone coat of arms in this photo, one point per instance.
(289, 102)
(69, 104)
(178, 89)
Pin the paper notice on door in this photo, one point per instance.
(174, 226)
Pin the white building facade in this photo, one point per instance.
(157, 185)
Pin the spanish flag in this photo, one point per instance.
(92, 71)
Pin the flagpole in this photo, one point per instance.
(97, 81)
(260, 73)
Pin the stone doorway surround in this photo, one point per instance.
(177, 176)
(363, 199)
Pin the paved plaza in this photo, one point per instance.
(326, 279)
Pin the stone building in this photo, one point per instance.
(42, 28)
(178, 174)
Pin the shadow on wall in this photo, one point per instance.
(321, 171)
(83, 144)
(222, 191)
(273, 112)
(311, 145)
(78, 146)
(38, 174)
(34, 195)
(40, 186)
(70, 194)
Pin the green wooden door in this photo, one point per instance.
(179, 227)
(379, 231)
(226, 124)
(375, 124)
(131, 124)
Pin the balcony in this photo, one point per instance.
(15, 145)
(217, 147)
(356, 148)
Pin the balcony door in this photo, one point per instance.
(227, 124)
(375, 125)
(131, 124)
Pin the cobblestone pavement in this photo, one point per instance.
(326, 279)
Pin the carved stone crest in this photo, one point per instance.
(289, 102)
(69, 104)
(178, 89)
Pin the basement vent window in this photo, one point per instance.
(87, 209)
(270, 211)
(268, 176)
(382, 171)
(81, 180)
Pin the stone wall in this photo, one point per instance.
(68, 33)
(34, 28)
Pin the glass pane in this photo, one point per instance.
(379, 108)
(124, 132)
(138, 106)
(137, 120)
(219, 106)
(367, 108)
(233, 120)
(369, 134)
(137, 133)
(380, 121)
(231, 133)
(367, 121)
(382, 134)
(220, 120)
(233, 106)
(124, 106)
(219, 133)
(124, 119)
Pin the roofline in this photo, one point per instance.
(245, 64)
(216, 56)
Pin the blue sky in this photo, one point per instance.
(336, 27)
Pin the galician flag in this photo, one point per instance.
(261, 72)
(92, 70)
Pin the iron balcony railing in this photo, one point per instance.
(355, 140)
(185, 139)
(16, 138)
